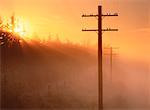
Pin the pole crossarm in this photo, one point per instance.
(107, 29)
(109, 14)
(89, 29)
(90, 15)
(111, 50)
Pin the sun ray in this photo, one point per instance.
(17, 25)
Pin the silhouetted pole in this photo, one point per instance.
(100, 59)
(111, 62)
(3, 75)
(13, 22)
(100, 65)
(111, 54)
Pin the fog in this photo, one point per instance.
(58, 75)
(55, 76)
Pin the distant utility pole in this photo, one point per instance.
(13, 22)
(99, 30)
(111, 54)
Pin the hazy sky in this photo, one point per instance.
(63, 17)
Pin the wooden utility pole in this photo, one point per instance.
(111, 54)
(100, 59)
(100, 70)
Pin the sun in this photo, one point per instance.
(22, 28)
(17, 25)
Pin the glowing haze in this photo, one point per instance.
(63, 18)
(58, 17)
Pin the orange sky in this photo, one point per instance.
(63, 17)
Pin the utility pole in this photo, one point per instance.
(100, 71)
(3, 74)
(111, 54)
(13, 22)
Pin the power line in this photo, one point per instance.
(99, 30)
